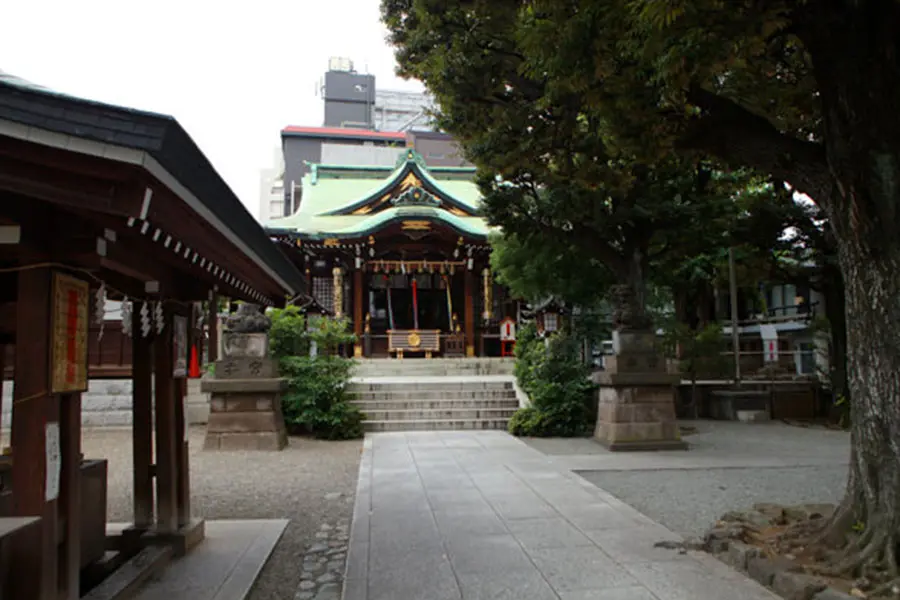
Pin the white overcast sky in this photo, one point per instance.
(232, 73)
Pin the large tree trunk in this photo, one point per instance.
(835, 311)
(855, 51)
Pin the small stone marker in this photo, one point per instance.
(245, 404)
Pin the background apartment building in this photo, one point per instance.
(361, 126)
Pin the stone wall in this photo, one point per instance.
(107, 403)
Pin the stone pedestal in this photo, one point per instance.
(245, 397)
(635, 400)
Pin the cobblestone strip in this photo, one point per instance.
(323, 564)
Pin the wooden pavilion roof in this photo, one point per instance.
(120, 178)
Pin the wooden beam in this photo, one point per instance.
(142, 421)
(469, 316)
(68, 188)
(166, 468)
(36, 559)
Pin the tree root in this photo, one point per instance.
(854, 560)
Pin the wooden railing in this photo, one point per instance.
(401, 341)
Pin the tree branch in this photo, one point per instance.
(740, 137)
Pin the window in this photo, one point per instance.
(805, 358)
(323, 291)
(551, 322)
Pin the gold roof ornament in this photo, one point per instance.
(416, 225)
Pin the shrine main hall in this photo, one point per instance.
(402, 252)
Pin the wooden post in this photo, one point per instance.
(36, 559)
(70, 494)
(470, 313)
(166, 436)
(142, 421)
(212, 353)
(2, 376)
(181, 447)
(358, 312)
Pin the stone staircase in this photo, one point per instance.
(436, 394)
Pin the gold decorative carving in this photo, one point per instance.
(414, 340)
(68, 335)
(368, 328)
(330, 243)
(410, 181)
(338, 308)
(363, 210)
(458, 212)
(416, 225)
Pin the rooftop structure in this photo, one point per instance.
(417, 246)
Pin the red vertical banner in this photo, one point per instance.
(69, 329)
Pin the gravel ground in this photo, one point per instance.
(804, 465)
(689, 501)
(311, 483)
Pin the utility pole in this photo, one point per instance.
(735, 335)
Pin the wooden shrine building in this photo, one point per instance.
(403, 252)
(96, 202)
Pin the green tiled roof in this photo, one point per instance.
(332, 194)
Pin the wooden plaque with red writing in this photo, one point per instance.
(69, 333)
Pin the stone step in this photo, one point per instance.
(442, 414)
(426, 386)
(421, 403)
(428, 374)
(434, 425)
(434, 367)
(410, 395)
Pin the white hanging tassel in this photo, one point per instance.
(145, 319)
(100, 304)
(100, 309)
(160, 321)
(126, 317)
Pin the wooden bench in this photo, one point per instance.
(402, 341)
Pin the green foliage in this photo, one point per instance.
(330, 333)
(316, 400)
(580, 208)
(557, 383)
(288, 335)
(700, 350)
(534, 269)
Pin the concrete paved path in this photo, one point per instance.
(223, 566)
(480, 515)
